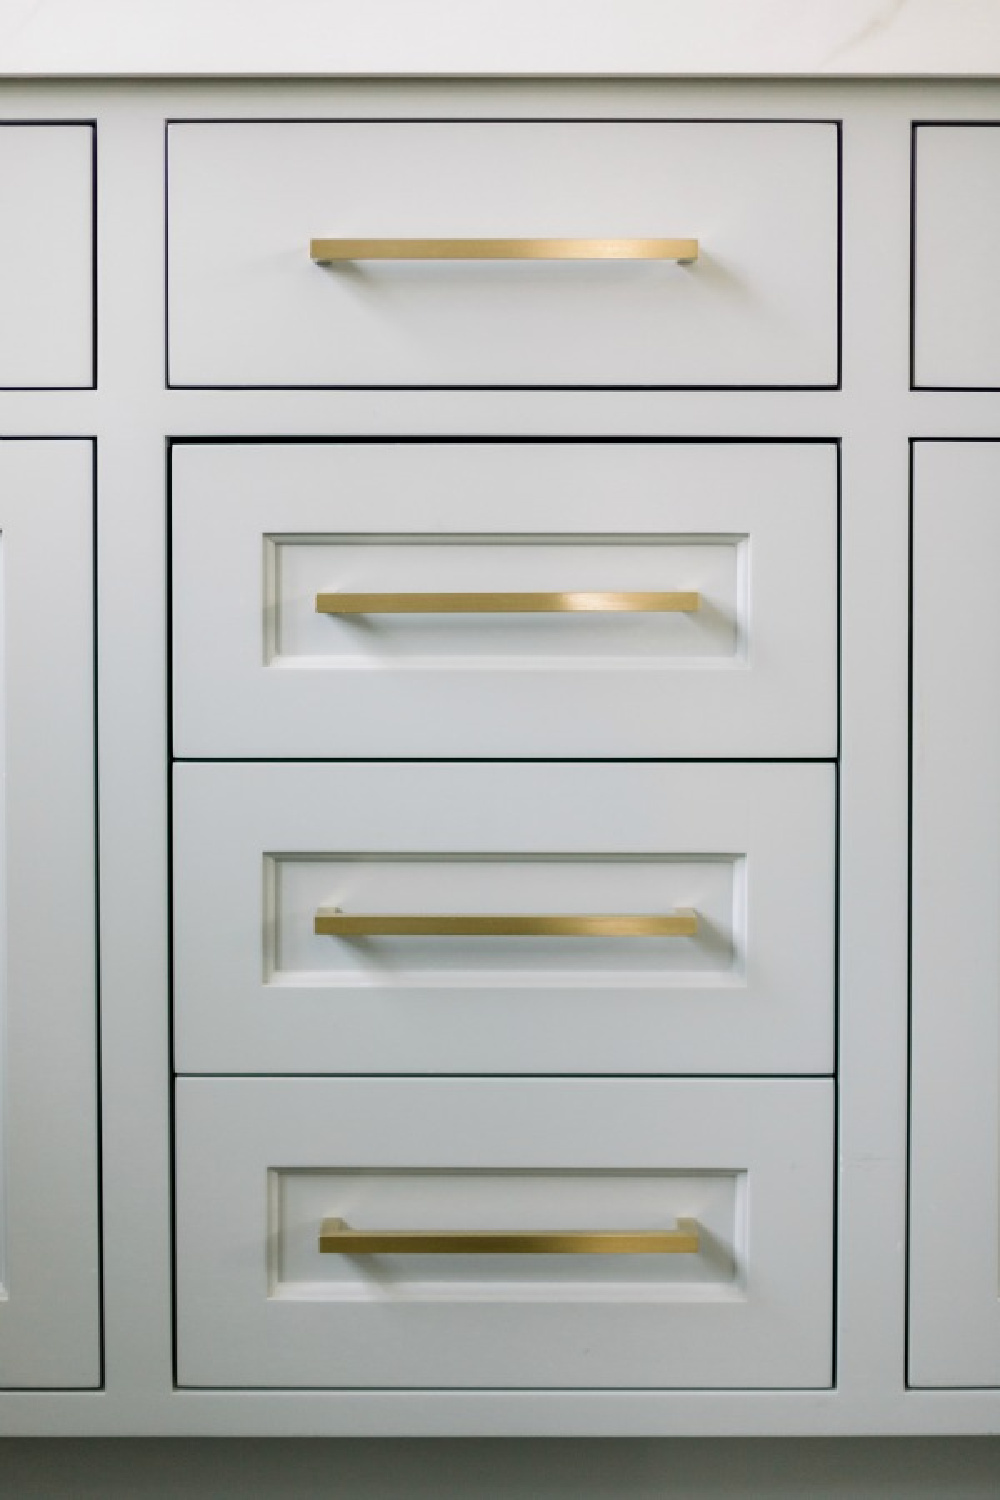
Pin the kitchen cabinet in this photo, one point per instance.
(503, 733)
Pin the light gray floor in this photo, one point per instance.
(761, 1469)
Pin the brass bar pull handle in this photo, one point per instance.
(327, 251)
(338, 1238)
(507, 604)
(332, 922)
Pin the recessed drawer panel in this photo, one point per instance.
(46, 255)
(504, 918)
(956, 325)
(492, 1233)
(492, 599)
(445, 232)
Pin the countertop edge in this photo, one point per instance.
(531, 39)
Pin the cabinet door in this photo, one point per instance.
(956, 310)
(955, 1191)
(49, 1303)
(47, 255)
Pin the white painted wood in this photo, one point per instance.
(46, 254)
(49, 1268)
(249, 308)
(259, 848)
(877, 418)
(957, 245)
(955, 1194)
(247, 1317)
(542, 38)
(134, 841)
(259, 530)
(874, 415)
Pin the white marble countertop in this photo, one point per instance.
(519, 38)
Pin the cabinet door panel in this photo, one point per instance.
(49, 1308)
(955, 1190)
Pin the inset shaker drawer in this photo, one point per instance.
(250, 307)
(956, 319)
(452, 918)
(46, 255)
(504, 1233)
(505, 599)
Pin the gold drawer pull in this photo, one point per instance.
(332, 922)
(506, 604)
(337, 1238)
(326, 250)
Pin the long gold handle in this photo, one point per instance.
(326, 250)
(506, 604)
(331, 922)
(337, 1238)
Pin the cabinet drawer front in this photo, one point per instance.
(261, 849)
(262, 1162)
(248, 306)
(733, 545)
(46, 255)
(956, 324)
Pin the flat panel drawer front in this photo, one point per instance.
(440, 599)
(956, 328)
(734, 1180)
(330, 918)
(446, 278)
(955, 1134)
(46, 255)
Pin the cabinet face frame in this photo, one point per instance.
(132, 413)
(49, 1247)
